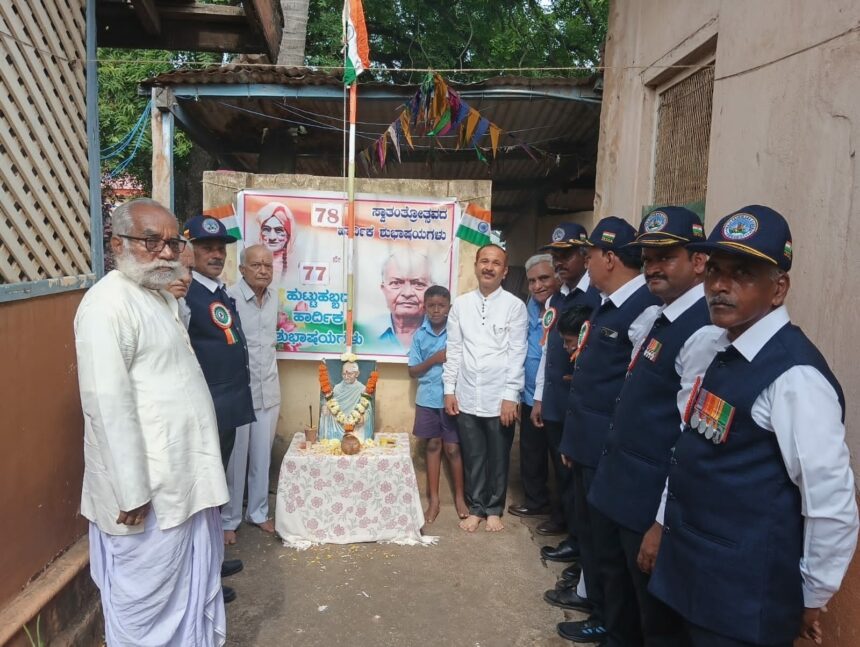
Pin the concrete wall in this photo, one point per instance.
(41, 432)
(784, 129)
(299, 382)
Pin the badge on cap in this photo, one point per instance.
(557, 235)
(222, 318)
(608, 237)
(655, 222)
(698, 230)
(787, 250)
(210, 226)
(740, 226)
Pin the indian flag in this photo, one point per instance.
(357, 50)
(475, 226)
(227, 215)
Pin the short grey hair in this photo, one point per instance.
(537, 259)
(122, 218)
(407, 260)
(244, 251)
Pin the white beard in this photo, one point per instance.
(154, 275)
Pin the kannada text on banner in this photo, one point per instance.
(402, 246)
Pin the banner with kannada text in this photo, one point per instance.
(402, 246)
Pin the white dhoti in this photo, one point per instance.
(252, 451)
(162, 588)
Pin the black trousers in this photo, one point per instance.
(226, 438)
(582, 479)
(536, 445)
(563, 476)
(485, 445)
(699, 637)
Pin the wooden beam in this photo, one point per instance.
(265, 18)
(147, 14)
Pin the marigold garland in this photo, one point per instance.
(347, 421)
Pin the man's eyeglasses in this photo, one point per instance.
(155, 244)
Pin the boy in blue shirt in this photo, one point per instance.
(426, 356)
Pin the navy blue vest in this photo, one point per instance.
(225, 366)
(645, 425)
(730, 556)
(558, 366)
(598, 375)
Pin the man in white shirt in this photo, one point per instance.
(760, 518)
(257, 305)
(482, 379)
(153, 478)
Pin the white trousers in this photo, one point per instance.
(252, 455)
(162, 588)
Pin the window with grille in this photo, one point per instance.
(683, 136)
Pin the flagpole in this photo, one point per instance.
(350, 218)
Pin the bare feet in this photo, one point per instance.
(229, 537)
(432, 511)
(470, 523)
(462, 508)
(494, 523)
(268, 526)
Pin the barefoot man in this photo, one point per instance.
(483, 376)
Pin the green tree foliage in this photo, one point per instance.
(467, 35)
(120, 106)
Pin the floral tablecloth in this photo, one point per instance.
(370, 496)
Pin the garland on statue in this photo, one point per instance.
(346, 420)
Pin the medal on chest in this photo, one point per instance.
(222, 318)
(548, 321)
(708, 414)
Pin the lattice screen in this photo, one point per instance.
(44, 191)
(683, 134)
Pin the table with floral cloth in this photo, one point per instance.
(324, 497)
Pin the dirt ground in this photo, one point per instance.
(469, 590)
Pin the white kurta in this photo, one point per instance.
(150, 433)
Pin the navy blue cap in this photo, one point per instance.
(667, 226)
(755, 231)
(611, 233)
(567, 235)
(206, 228)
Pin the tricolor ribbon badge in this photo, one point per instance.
(582, 341)
(548, 321)
(711, 416)
(222, 318)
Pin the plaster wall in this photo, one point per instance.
(785, 126)
(299, 382)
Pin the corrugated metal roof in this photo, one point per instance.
(559, 131)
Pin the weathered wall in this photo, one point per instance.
(299, 383)
(784, 129)
(41, 430)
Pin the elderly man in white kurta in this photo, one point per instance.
(257, 305)
(153, 478)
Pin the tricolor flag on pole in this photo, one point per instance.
(357, 50)
(475, 225)
(227, 215)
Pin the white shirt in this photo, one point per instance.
(150, 433)
(259, 324)
(486, 351)
(802, 409)
(540, 380)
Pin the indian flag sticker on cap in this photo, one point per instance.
(740, 226)
(656, 221)
(608, 237)
(698, 230)
(787, 250)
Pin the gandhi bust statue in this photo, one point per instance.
(347, 395)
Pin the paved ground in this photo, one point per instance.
(480, 590)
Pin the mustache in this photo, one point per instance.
(720, 300)
(655, 275)
(216, 262)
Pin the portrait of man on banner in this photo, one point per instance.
(402, 246)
